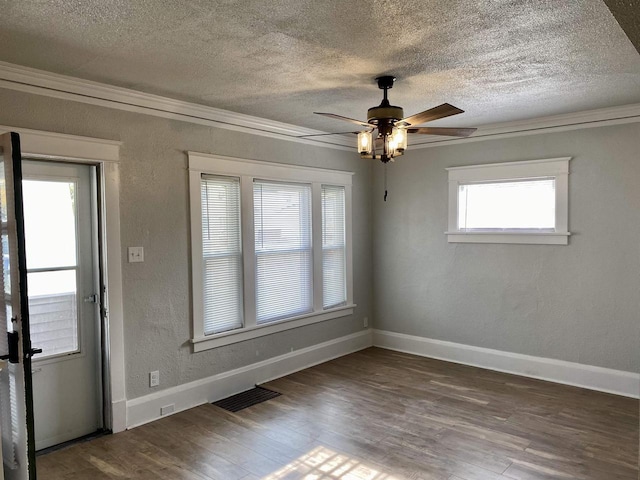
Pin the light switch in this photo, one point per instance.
(136, 254)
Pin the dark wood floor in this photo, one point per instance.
(379, 415)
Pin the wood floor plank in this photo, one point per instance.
(379, 415)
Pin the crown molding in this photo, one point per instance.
(557, 123)
(40, 82)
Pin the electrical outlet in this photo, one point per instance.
(167, 409)
(135, 254)
(366, 322)
(154, 378)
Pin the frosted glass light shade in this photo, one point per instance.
(365, 143)
(400, 139)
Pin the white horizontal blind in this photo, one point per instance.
(508, 205)
(334, 273)
(9, 417)
(222, 253)
(284, 272)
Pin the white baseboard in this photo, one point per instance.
(145, 409)
(118, 416)
(586, 376)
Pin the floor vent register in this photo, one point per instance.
(243, 400)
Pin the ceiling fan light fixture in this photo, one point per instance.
(389, 146)
(365, 143)
(400, 139)
(393, 127)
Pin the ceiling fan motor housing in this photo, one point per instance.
(384, 117)
(384, 112)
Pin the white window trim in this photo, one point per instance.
(247, 170)
(557, 168)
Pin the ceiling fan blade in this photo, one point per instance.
(346, 119)
(450, 132)
(324, 134)
(441, 111)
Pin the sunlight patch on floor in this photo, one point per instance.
(322, 463)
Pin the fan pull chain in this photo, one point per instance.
(385, 182)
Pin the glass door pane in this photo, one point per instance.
(16, 399)
(51, 240)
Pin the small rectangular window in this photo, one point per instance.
(334, 270)
(284, 259)
(515, 202)
(508, 205)
(222, 253)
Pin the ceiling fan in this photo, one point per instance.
(393, 126)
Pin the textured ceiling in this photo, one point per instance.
(627, 13)
(499, 60)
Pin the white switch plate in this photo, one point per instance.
(154, 378)
(136, 254)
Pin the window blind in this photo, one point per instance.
(222, 254)
(284, 273)
(508, 205)
(333, 247)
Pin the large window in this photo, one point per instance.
(516, 202)
(271, 247)
(284, 262)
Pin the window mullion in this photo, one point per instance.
(316, 226)
(249, 251)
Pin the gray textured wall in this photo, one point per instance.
(154, 214)
(578, 303)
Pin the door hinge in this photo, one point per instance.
(13, 339)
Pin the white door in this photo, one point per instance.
(61, 246)
(16, 407)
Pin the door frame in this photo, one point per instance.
(90, 323)
(105, 155)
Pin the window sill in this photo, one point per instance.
(227, 338)
(533, 238)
